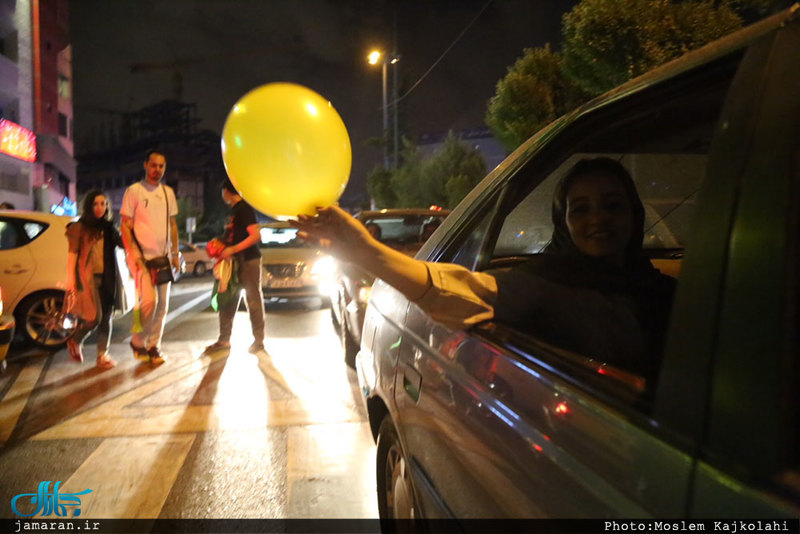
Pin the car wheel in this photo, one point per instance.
(41, 322)
(348, 343)
(395, 489)
(199, 268)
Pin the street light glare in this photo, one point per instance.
(374, 57)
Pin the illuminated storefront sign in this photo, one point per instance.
(17, 141)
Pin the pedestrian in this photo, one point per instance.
(150, 235)
(7, 206)
(92, 275)
(241, 238)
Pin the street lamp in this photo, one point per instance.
(373, 58)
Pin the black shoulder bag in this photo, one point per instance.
(160, 267)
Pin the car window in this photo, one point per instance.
(33, 229)
(10, 236)
(664, 144)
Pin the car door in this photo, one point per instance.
(18, 265)
(499, 421)
(750, 455)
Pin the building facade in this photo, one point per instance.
(37, 164)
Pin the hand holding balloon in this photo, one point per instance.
(286, 150)
(337, 233)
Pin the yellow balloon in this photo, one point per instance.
(286, 150)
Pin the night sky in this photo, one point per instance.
(221, 49)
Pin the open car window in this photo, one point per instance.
(663, 141)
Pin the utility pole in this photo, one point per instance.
(395, 125)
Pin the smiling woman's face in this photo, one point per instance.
(599, 216)
(99, 206)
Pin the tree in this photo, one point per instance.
(443, 178)
(451, 173)
(534, 93)
(607, 42)
(379, 186)
(407, 179)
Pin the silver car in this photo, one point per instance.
(293, 269)
(502, 421)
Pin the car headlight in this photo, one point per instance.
(323, 268)
(364, 293)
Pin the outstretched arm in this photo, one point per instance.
(344, 237)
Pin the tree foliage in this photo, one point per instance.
(379, 187)
(443, 178)
(533, 93)
(451, 173)
(607, 42)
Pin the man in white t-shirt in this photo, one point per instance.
(149, 231)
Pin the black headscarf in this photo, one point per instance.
(111, 239)
(563, 263)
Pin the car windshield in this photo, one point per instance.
(281, 238)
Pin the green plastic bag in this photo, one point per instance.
(231, 295)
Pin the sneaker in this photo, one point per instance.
(217, 346)
(256, 348)
(140, 353)
(104, 361)
(74, 349)
(156, 358)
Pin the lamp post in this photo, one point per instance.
(373, 58)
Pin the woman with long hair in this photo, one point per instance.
(92, 275)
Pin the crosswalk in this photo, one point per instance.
(279, 434)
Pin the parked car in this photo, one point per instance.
(178, 273)
(196, 259)
(33, 256)
(405, 230)
(498, 421)
(293, 269)
(6, 333)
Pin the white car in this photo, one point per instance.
(293, 269)
(6, 332)
(198, 262)
(33, 260)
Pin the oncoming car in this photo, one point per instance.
(405, 230)
(504, 420)
(293, 269)
(33, 256)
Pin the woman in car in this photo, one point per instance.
(592, 290)
(92, 275)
